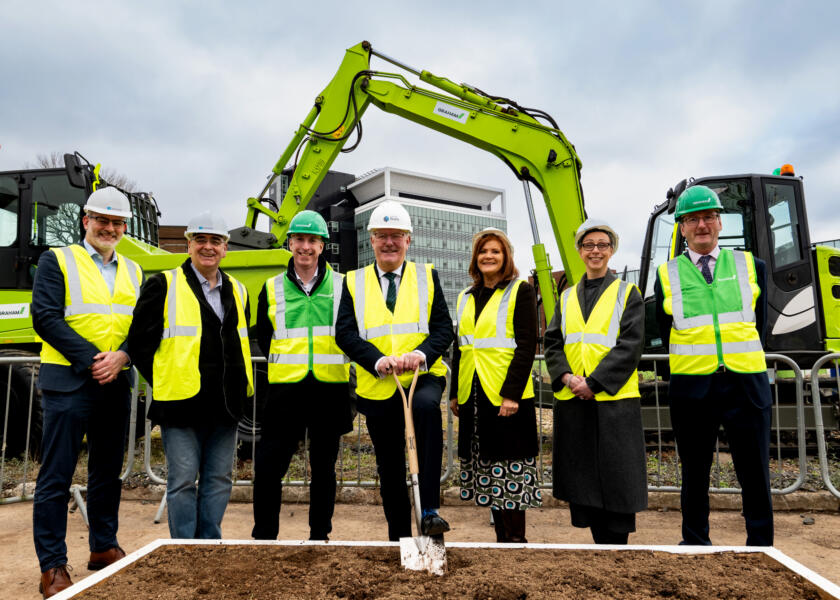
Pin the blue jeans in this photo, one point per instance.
(101, 413)
(195, 510)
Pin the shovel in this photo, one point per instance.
(421, 553)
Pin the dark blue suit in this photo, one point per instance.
(385, 419)
(74, 405)
(740, 402)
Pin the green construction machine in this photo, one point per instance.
(42, 208)
(527, 140)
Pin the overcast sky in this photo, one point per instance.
(195, 101)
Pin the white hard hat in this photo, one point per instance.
(390, 215)
(596, 225)
(109, 201)
(207, 223)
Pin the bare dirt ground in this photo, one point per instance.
(817, 546)
(365, 573)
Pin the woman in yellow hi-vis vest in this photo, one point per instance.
(592, 348)
(492, 392)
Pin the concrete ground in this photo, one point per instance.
(815, 545)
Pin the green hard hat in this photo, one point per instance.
(308, 221)
(696, 198)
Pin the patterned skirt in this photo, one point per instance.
(500, 484)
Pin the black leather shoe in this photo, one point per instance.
(433, 524)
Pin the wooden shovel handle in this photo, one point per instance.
(410, 438)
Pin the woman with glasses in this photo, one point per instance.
(592, 348)
(494, 395)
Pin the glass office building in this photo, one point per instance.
(445, 215)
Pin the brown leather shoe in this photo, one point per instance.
(54, 580)
(100, 560)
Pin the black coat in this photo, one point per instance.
(297, 401)
(696, 387)
(221, 397)
(599, 452)
(502, 438)
(365, 354)
(48, 322)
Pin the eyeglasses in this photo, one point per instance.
(381, 237)
(590, 246)
(694, 220)
(104, 221)
(209, 240)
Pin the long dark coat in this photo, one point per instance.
(599, 454)
(502, 438)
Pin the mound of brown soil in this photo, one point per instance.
(358, 573)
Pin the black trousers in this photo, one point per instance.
(386, 425)
(746, 421)
(285, 422)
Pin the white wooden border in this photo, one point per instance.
(830, 590)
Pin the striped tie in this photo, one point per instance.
(391, 297)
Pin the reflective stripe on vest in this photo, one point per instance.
(90, 309)
(297, 350)
(587, 342)
(392, 333)
(487, 344)
(175, 367)
(702, 339)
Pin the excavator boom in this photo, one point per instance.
(535, 152)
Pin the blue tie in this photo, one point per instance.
(391, 297)
(704, 268)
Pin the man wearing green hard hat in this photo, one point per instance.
(308, 379)
(711, 310)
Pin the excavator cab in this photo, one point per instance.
(763, 214)
(42, 208)
(39, 209)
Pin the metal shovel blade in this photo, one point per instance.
(423, 553)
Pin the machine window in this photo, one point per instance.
(56, 212)
(737, 231)
(663, 229)
(9, 211)
(784, 224)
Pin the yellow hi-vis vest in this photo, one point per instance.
(304, 331)
(90, 309)
(175, 367)
(392, 334)
(487, 345)
(714, 323)
(586, 343)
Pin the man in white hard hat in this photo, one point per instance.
(82, 303)
(189, 340)
(393, 319)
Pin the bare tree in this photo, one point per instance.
(55, 160)
(62, 228)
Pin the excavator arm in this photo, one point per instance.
(537, 153)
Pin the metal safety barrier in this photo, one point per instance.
(656, 419)
(31, 440)
(663, 455)
(816, 399)
(342, 481)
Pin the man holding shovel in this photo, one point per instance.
(392, 320)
